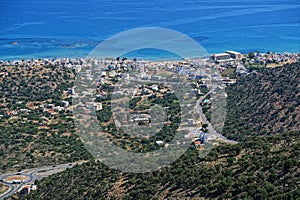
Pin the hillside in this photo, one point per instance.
(36, 129)
(264, 165)
(265, 102)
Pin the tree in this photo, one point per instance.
(251, 55)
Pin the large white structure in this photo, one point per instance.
(221, 57)
(235, 55)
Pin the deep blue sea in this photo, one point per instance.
(72, 28)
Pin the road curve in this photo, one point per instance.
(211, 129)
(33, 175)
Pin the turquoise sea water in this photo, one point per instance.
(68, 28)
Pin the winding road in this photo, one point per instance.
(211, 129)
(38, 173)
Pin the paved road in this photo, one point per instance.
(35, 173)
(211, 129)
(32, 174)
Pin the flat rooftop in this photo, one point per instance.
(221, 54)
(233, 52)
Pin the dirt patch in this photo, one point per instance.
(67, 134)
(30, 105)
(17, 177)
(3, 188)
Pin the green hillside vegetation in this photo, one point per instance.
(261, 168)
(264, 103)
(124, 140)
(262, 109)
(33, 137)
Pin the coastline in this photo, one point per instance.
(148, 58)
(151, 58)
(49, 48)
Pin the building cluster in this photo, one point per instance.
(203, 72)
(255, 57)
(276, 58)
(110, 69)
(227, 56)
(111, 64)
(51, 109)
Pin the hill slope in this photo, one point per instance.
(265, 167)
(260, 167)
(31, 133)
(267, 102)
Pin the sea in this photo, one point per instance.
(73, 28)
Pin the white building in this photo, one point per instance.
(221, 57)
(98, 106)
(235, 55)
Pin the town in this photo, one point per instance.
(200, 73)
(114, 69)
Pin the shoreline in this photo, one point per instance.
(149, 58)
(49, 48)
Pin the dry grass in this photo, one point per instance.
(3, 188)
(17, 177)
